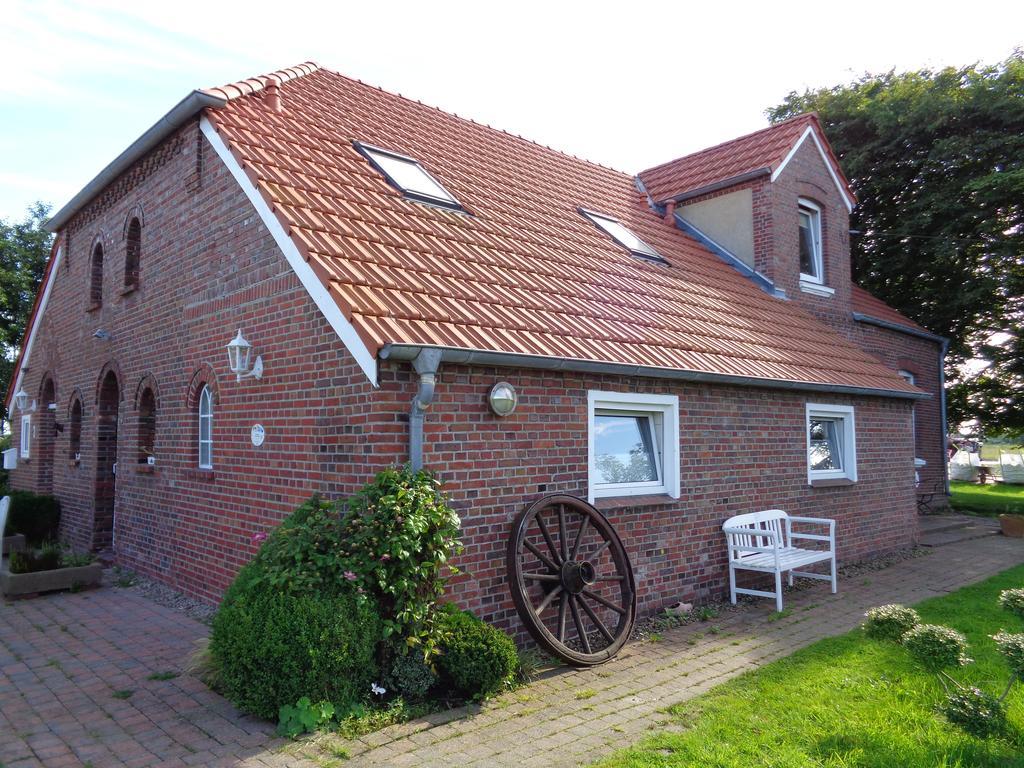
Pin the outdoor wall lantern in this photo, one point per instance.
(503, 398)
(21, 401)
(239, 352)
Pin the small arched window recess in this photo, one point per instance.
(96, 277)
(133, 253)
(147, 427)
(75, 431)
(206, 428)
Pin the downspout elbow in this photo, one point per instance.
(426, 364)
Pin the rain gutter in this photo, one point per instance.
(405, 352)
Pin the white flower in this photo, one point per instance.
(377, 689)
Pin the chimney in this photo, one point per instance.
(670, 213)
(273, 94)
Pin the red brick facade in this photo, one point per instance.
(209, 266)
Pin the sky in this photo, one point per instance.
(628, 85)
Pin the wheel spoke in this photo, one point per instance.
(605, 602)
(561, 533)
(579, 537)
(541, 576)
(548, 600)
(599, 551)
(600, 624)
(547, 538)
(579, 625)
(611, 578)
(540, 555)
(561, 618)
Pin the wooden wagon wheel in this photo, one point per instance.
(571, 580)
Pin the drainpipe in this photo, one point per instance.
(942, 405)
(425, 364)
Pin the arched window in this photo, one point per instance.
(96, 277)
(147, 426)
(75, 431)
(133, 253)
(205, 428)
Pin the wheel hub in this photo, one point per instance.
(577, 576)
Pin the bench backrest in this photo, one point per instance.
(769, 520)
(5, 506)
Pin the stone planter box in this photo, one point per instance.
(24, 584)
(15, 543)
(1012, 525)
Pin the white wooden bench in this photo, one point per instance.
(763, 541)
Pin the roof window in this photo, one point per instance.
(409, 177)
(624, 237)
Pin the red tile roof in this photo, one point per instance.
(761, 152)
(525, 273)
(863, 302)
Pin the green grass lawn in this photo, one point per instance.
(989, 499)
(849, 701)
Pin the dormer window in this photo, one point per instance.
(811, 262)
(624, 237)
(409, 177)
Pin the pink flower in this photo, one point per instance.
(350, 576)
(259, 538)
(385, 557)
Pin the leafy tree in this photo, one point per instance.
(24, 249)
(936, 159)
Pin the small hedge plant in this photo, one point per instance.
(476, 659)
(35, 515)
(939, 648)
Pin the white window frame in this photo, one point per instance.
(377, 158)
(847, 441)
(25, 442)
(205, 413)
(664, 413)
(814, 211)
(620, 233)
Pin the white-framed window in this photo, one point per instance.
(206, 428)
(623, 236)
(812, 269)
(831, 443)
(632, 444)
(25, 446)
(408, 176)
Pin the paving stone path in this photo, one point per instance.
(75, 687)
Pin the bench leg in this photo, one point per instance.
(732, 584)
(778, 591)
(833, 574)
(791, 578)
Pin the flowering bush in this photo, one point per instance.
(1012, 600)
(976, 712)
(890, 622)
(1012, 648)
(936, 647)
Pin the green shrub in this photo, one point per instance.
(1011, 646)
(476, 658)
(976, 712)
(272, 647)
(936, 647)
(890, 622)
(34, 515)
(1013, 601)
(46, 559)
(410, 676)
(399, 535)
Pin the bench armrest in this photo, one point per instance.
(810, 537)
(819, 520)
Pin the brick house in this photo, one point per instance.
(683, 345)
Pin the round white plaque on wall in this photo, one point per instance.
(258, 435)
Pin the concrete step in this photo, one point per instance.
(949, 529)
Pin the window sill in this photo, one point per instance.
(835, 482)
(203, 475)
(920, 463)
(129, 289)
(93, 307)
(608, 503)
(816, 289)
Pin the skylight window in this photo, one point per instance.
(408, 176)
(624, 237)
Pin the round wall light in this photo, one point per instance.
(503, 398)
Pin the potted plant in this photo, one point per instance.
(51, 567)
(1012, 525)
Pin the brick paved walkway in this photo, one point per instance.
(63, 659)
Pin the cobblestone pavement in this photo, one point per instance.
(75, 682)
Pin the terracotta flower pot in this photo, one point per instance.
(1012, 525)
